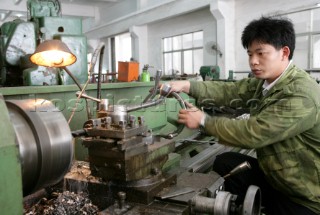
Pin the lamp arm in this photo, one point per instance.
(73, 77)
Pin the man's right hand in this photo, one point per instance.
(180, 86)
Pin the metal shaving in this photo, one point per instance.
(66, 203)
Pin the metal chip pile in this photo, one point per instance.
(66, 203)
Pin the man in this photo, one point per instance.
(284, 123)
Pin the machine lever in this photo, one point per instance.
(156, 86)
(87, 97)
(240, 168)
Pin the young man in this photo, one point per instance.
(284, 123)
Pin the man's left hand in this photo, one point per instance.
(191, 117)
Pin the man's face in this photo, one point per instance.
(266, 62)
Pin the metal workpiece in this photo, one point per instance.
(45, 142)
(103, 104)
(165, 90)
(118, 113)
(145, 105)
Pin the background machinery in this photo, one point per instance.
(20, 38)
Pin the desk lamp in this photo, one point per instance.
(55, 53)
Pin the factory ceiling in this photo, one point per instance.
(13, 9)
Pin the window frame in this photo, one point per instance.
(181, 50)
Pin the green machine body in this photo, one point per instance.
(210, 72)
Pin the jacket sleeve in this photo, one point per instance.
(219, 93)
(280, 120)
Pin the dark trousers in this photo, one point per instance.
(273, 202)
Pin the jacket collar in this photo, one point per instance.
(284, 80)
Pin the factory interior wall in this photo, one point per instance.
(147, 14)
(187, 23)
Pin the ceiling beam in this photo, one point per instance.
(170, 8)
(66, 8)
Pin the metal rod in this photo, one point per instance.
(83, 95)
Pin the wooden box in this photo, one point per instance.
(128, 71)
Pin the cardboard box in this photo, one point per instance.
(128, 71)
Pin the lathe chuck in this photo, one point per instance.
(44, 140)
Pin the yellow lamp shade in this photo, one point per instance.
(53, 53)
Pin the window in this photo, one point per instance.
(316, 51)
(120, 50)
(306, 24)
(183, 54)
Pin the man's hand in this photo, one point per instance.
(191, 117)
(180, 86)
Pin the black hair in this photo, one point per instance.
(278, 32)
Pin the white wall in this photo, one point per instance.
(191, 22)
(224, 12)
(147, 14)
(247, 10)
(123, 8)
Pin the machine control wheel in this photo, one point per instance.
(252, 201)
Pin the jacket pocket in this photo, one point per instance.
(278, 161)
(284, 173)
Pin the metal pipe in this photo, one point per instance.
(181, 126)
(145, 105)
(100, 74)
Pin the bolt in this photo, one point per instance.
(133, 121)
(141, 120)
(108, 122)
(122, 198)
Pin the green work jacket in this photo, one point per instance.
(284, 128)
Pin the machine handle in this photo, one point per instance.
(79, 133)
(240, 168)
